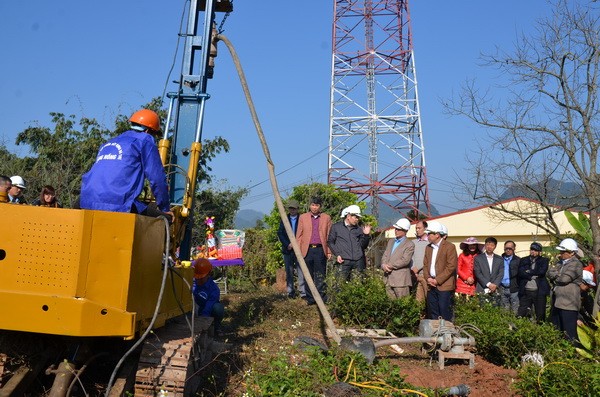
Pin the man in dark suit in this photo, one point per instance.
(289, 258)
(533, 286)
(439, 269)
(489, 270)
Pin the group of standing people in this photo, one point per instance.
(319, 240)
(12, 191)
(429, 267)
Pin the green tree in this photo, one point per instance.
(334, 201)
(218, 201)
(60, 155)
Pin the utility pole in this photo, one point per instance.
(376, 145)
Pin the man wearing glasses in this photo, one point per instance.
(509, 287)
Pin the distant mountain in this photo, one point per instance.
(245, 219)
(388, 216)
(558, 192)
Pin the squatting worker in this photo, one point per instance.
(207, 295)
(117, 177)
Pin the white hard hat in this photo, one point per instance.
(403, 224)
(588, 278)
(444, 230)
(352, 209)
(18, 181)
(568, 244)
(344, 212)
(434, 227)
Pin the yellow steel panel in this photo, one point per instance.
(84, 273)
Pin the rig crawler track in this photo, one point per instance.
(171, 359)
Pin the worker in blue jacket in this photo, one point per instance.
(206, 293)
(117, 177)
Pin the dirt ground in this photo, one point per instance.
(257, 325)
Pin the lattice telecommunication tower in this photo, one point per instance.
(375, 141)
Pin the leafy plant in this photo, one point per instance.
(589, 338)
(310, 371)
(582, 227)
(363, 302)
(505, 339)
(567, 377)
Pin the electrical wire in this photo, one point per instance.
(154, 316)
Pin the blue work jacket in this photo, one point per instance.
(117, 177)
(205, 296)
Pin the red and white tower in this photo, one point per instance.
(375, 141)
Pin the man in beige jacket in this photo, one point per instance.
(396, 261)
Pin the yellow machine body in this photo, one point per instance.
(84, 273)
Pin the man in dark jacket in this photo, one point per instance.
(533, 286)
(289, 258)
(509, 288)
(489, 270)
(347, 242)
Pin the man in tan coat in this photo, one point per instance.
(313, 229)
(396, 261)
(439, 270)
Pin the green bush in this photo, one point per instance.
(296, 372)
(363, 303)
(505, 339)
(560, 378)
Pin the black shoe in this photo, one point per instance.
(291, 296)
(310, 303)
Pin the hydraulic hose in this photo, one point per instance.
(275, 188)
(154, 316)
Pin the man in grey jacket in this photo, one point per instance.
(397, 260)
(489, 270)
(347, 242)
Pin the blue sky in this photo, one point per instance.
(99, 59)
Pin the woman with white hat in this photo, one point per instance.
(566, 277)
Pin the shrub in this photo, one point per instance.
(505, 339)
(560, 378)
(308, 372)
(363, 303)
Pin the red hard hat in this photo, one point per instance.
(147, 118)
(202, 267)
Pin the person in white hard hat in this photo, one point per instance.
(566, 276)
(439, 270)
(587, 300)
(347, 242)
(15, 194)
(397, 260)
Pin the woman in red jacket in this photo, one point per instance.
(465, 282)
